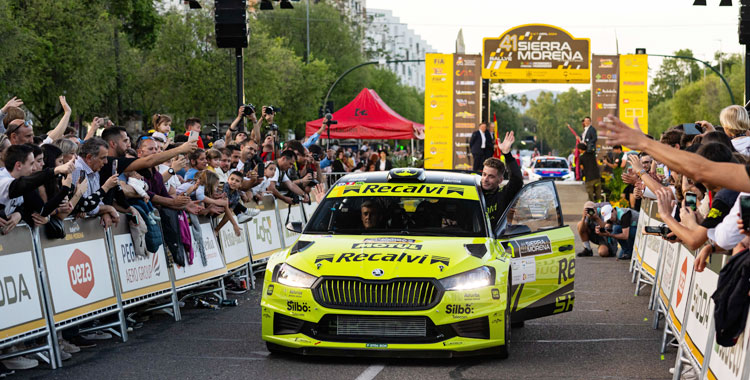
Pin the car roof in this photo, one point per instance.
(430, 176)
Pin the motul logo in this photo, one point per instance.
(81, 273)
(681, 283)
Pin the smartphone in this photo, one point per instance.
(193, 136)
(81, 176)
(745, 211)
(114, 167)
(691, 200)
(691, 129)
(170, 135)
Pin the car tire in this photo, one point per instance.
(505, 348)
(273, 349)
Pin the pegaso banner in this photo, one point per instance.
(536, 53)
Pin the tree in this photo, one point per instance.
(672, 75)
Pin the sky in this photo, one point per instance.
(660, 26)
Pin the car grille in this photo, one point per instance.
(359, 294)
(355, 325)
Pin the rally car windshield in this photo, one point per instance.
(551, 164)
(399, 216)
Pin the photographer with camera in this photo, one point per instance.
(305, 172)
(589, 228)
(234, 132)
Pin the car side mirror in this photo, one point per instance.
(515, 229)
(294, 227)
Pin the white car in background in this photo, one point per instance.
(543, 167)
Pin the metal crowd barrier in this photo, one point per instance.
(682, 298)
(48, 285)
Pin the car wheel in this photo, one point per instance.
(505, 348)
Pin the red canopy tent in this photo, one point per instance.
(367, 117)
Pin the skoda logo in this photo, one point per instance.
(377, 272)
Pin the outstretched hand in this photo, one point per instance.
(619, 133)
(13, 102)
(64, 104)
(507, 143)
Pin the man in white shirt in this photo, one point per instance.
(285, 161)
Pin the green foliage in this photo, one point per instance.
(614, 185)
(551, 114)
(702, 99)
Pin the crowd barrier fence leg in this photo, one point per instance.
(54, 350)
(109, 239)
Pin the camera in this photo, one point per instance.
(609, 229)
(314, 182)
(329, 120)
(316, 156)
(662, 230)
(273, 127)
(248, 109)
(270, 110)
(295, 199)
(590, 211)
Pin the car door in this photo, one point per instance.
(542, 249)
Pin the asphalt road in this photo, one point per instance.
(607, 335)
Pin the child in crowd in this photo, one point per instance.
(236, 197)
(214, 163)
(268, 173)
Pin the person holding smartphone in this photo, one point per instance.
(193, 130)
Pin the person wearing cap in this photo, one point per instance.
(590, 225)
(620, 224)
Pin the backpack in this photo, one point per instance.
(732, 299)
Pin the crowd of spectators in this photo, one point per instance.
(157, 177)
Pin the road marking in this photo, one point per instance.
(584, 340)
(370, 372)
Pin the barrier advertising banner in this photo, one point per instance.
(20, 301)
(467, 84)
(264, 235)
(728, 363)
(671, 252)
(536, 53)
(78, 270)
(197, 271)
(604, 86)
(438, 111)
(701, 310)
(139, 275)
(634, 90)
(236, 249)
(681, 289)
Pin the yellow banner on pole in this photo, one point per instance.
(438, 111)
(634, 90)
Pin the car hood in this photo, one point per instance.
(387, 257)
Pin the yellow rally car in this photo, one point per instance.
(403, 263)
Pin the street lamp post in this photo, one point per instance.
(729, 89)
(330, 90)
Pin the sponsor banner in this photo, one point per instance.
(536, 53)
(537, 245)
(20, 302)
(235, 248)
(466, 106)
(651, 251)
(671, 253)
(79, 273)
(633, 90)
(138, 272)
(407, 190)
(438, 111)
(728, 363)
(604, 86)
(681, 289)
(700, 311)
(263, 231)
(640, 238)
(214, 262)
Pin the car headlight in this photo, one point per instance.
(475, 278)
(291, 276)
